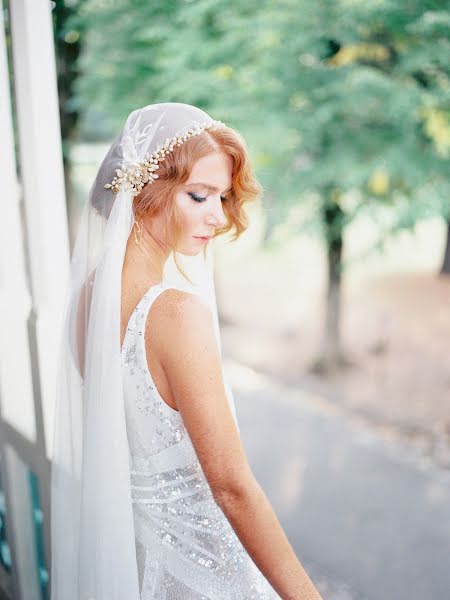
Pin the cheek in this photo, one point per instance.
(191, 217)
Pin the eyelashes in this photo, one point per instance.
(203, 198)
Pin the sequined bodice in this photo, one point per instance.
(186, 548)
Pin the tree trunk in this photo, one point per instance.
(331, 355)
(445, 269)
(333, 214)
(332, 333)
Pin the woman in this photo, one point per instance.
(152, 494)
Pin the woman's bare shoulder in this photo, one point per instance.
(176, 306)
(178, 318)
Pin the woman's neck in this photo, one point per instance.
(146, 254)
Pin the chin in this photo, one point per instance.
(191, 251)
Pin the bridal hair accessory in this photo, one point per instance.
(135, 176)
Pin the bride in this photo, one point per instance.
(152, 495)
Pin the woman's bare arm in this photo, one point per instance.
(189, 355)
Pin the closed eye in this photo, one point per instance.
(203, 198)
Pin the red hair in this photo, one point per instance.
(159, 197)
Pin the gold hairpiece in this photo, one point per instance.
(135, 176)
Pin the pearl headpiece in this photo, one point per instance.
(136, 175)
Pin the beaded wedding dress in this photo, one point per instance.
(186, 548)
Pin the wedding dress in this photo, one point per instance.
(186, 548)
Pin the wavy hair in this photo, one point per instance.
(159, 197)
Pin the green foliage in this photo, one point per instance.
(332, 95)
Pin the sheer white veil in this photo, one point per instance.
(92, 530)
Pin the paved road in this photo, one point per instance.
(368, 518)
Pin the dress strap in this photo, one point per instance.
(139, 316)
(137, 342)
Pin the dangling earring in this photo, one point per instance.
(139, 230)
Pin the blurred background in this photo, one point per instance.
(334, 304)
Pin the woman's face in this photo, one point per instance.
(200, 200)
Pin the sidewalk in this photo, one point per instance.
(396, 332)
(365, 518)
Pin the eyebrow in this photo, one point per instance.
(212, 188)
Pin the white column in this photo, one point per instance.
(43, 185)
(16, 391)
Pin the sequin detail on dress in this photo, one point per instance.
(185, 546)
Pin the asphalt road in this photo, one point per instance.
(367, 516)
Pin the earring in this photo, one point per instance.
(138, 227)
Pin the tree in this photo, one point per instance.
(364, 88)
(349, 108)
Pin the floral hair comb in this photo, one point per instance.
(135, 176)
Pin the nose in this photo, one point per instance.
(216, 216)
